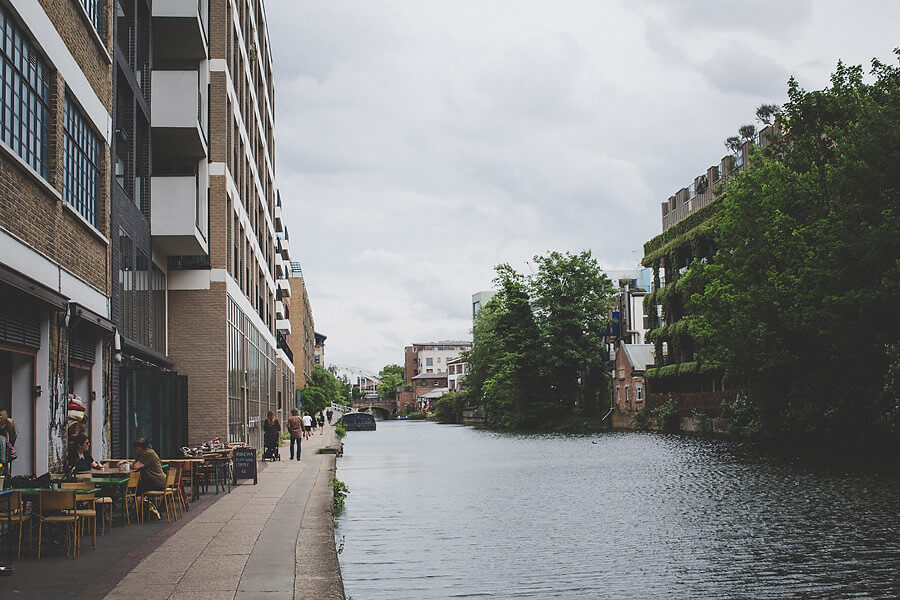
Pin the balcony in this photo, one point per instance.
(179, 216)
(283, 326)
(180, 30)
(280, 270)
(179, 119)
(279, 309)
(284, 287)
(279, 223)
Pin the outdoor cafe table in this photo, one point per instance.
(220, 461)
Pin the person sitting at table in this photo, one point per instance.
(80, 459)
(152, 476)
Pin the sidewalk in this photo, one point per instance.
(271, 540)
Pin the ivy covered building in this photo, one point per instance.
(688, 222)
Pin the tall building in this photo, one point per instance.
(303, 337)
(56, 337)
(686, 237)
(479, 299)
(232, 369)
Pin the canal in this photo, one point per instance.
(440, 511)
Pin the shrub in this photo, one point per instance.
(449, 408)
(702, 422)
(666, 416)
(340, 430)
(742, 416)
(340, 493)
(641, 419)
(416, 416)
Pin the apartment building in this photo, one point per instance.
(303, 336)
(233, 369)
(56, 337)
(685, 238)
(431, 357)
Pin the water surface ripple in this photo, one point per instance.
(438, 511)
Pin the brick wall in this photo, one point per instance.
(68, 19)
(198, 345)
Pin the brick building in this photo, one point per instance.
(303, 337)
(56, 338)
(431, 357)
(233, 370)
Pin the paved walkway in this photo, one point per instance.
(273, 540)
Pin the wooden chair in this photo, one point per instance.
(58, 507)
(104, 506)
(86, 508)
(167, 494)
(18, 515)
(131, 494)
(178, 497)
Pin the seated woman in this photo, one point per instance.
(152, 476)
(80, 459)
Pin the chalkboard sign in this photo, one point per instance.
(244, 464)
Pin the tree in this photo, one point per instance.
(322, 389)
(449, 408)
(392, 377)
(572, 300)
(799, 302)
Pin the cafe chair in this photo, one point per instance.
(131, 494)
(86, 508)
(55, 507)
(167, 494)
(104, 506)
(17, 514)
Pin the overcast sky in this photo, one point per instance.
(420, 143)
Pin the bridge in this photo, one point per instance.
(381, 408)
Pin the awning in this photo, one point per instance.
(82, 312)
(31, 287)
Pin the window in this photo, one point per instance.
(94, 10)
(639, 392)
(439, 359)
(24, 97)
(429, 362)
(81, 187)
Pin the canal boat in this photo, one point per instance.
(358, 421)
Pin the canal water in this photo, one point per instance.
(441, 511)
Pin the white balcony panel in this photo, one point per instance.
(179, 115)
(180, 30)
(285, 287)
(279, 309)
(285, 252)
(179, 215)
(283, 326)
(279, 223)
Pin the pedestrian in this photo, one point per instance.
(295, 427)
(307, 425)
(320, 420)
(329, 413)
(271, 435)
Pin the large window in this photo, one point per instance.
(82, 161)
(24, 112)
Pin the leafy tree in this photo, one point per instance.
(573, 299)
(322, 389)
(392, 377)
(799, 303)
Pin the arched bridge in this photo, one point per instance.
(381, 409)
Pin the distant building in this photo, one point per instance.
(479, 299)
(431, 357)
(457, 369)
(629, 388)
(303, 337)
(633, 285)
(319, 349)
(427, 388)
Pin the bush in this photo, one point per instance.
(742, 416)
(449, 408)
(666, 416)
(340, 493)
(416, 416)
(641, 419)
(340, 430)
(702, 421)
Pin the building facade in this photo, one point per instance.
(457, 369)
(431, 357)
(686, 237)
(303, 337)
(56, 337)
(234, 282)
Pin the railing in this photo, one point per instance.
(94, 13)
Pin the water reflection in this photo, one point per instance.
(453, 512)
